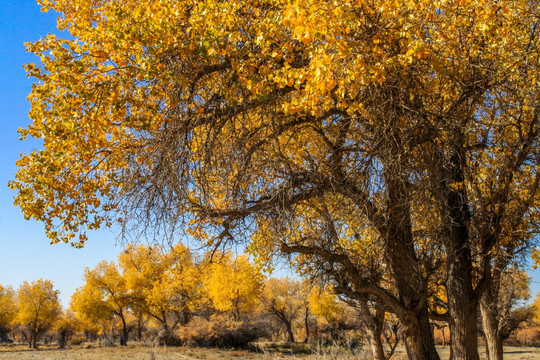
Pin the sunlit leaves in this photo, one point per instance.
(38, 308)
(8, 308)
(232, 284)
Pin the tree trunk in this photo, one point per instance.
(462, 299)
(377, 350)
(410, 283)
(372, 325)
(462, 307)
(290, 335)
(494, 344)
(125, 332)
(418, 337)
(374, 338)
(306, 324)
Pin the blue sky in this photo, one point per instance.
(25, 252)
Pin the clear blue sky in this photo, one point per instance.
(25, 252)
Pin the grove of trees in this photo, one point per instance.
(387, 148)
(216, 299)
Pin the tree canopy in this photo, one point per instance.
(38, 309)
(313, 128)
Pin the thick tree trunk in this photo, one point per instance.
(374, 338)
(494, 344)
(418, 337)
(401, 255)
(462, 306)
(377, 350)
(34, 341)
(463, 327)
(372, 325)
(373, 328)
(411, 285)
(462, 299)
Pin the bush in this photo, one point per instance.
(77, 340)
(220, 332)
(168, 338)
(528, 336)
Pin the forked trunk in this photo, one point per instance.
(410, 283)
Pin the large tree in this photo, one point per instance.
(297, 119)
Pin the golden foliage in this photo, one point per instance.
(233, 284)
(8, 307)
(38, 308)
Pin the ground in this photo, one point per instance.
(141, 352)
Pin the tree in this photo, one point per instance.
(103, 296)
(536, 308)
(234, 117)
(498, 322)
(65, 327)
(8, 309)
(164, 285)
(39, 308)
(233, 284)
(334, 315)
(285, 300)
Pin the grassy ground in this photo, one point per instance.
(140, 352)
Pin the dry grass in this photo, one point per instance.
(141, 352)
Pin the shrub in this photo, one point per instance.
(168, 338)
(528, 336)
(77, 340)
(220, 332)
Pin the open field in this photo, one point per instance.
(138, 352)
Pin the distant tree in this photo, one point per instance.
(498, 308)
(8, 309)
(163, 284)
(103, 296)
(536, 308)
(65, 327)
(39, 308)
(233, 284)
(284, 300)
(334, 314)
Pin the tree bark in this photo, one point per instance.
(462, 298)
(125, 332)
(373, 333)
(418, 337)
(290, 334)
(373, 324)
(494, 344)
(401, 254)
